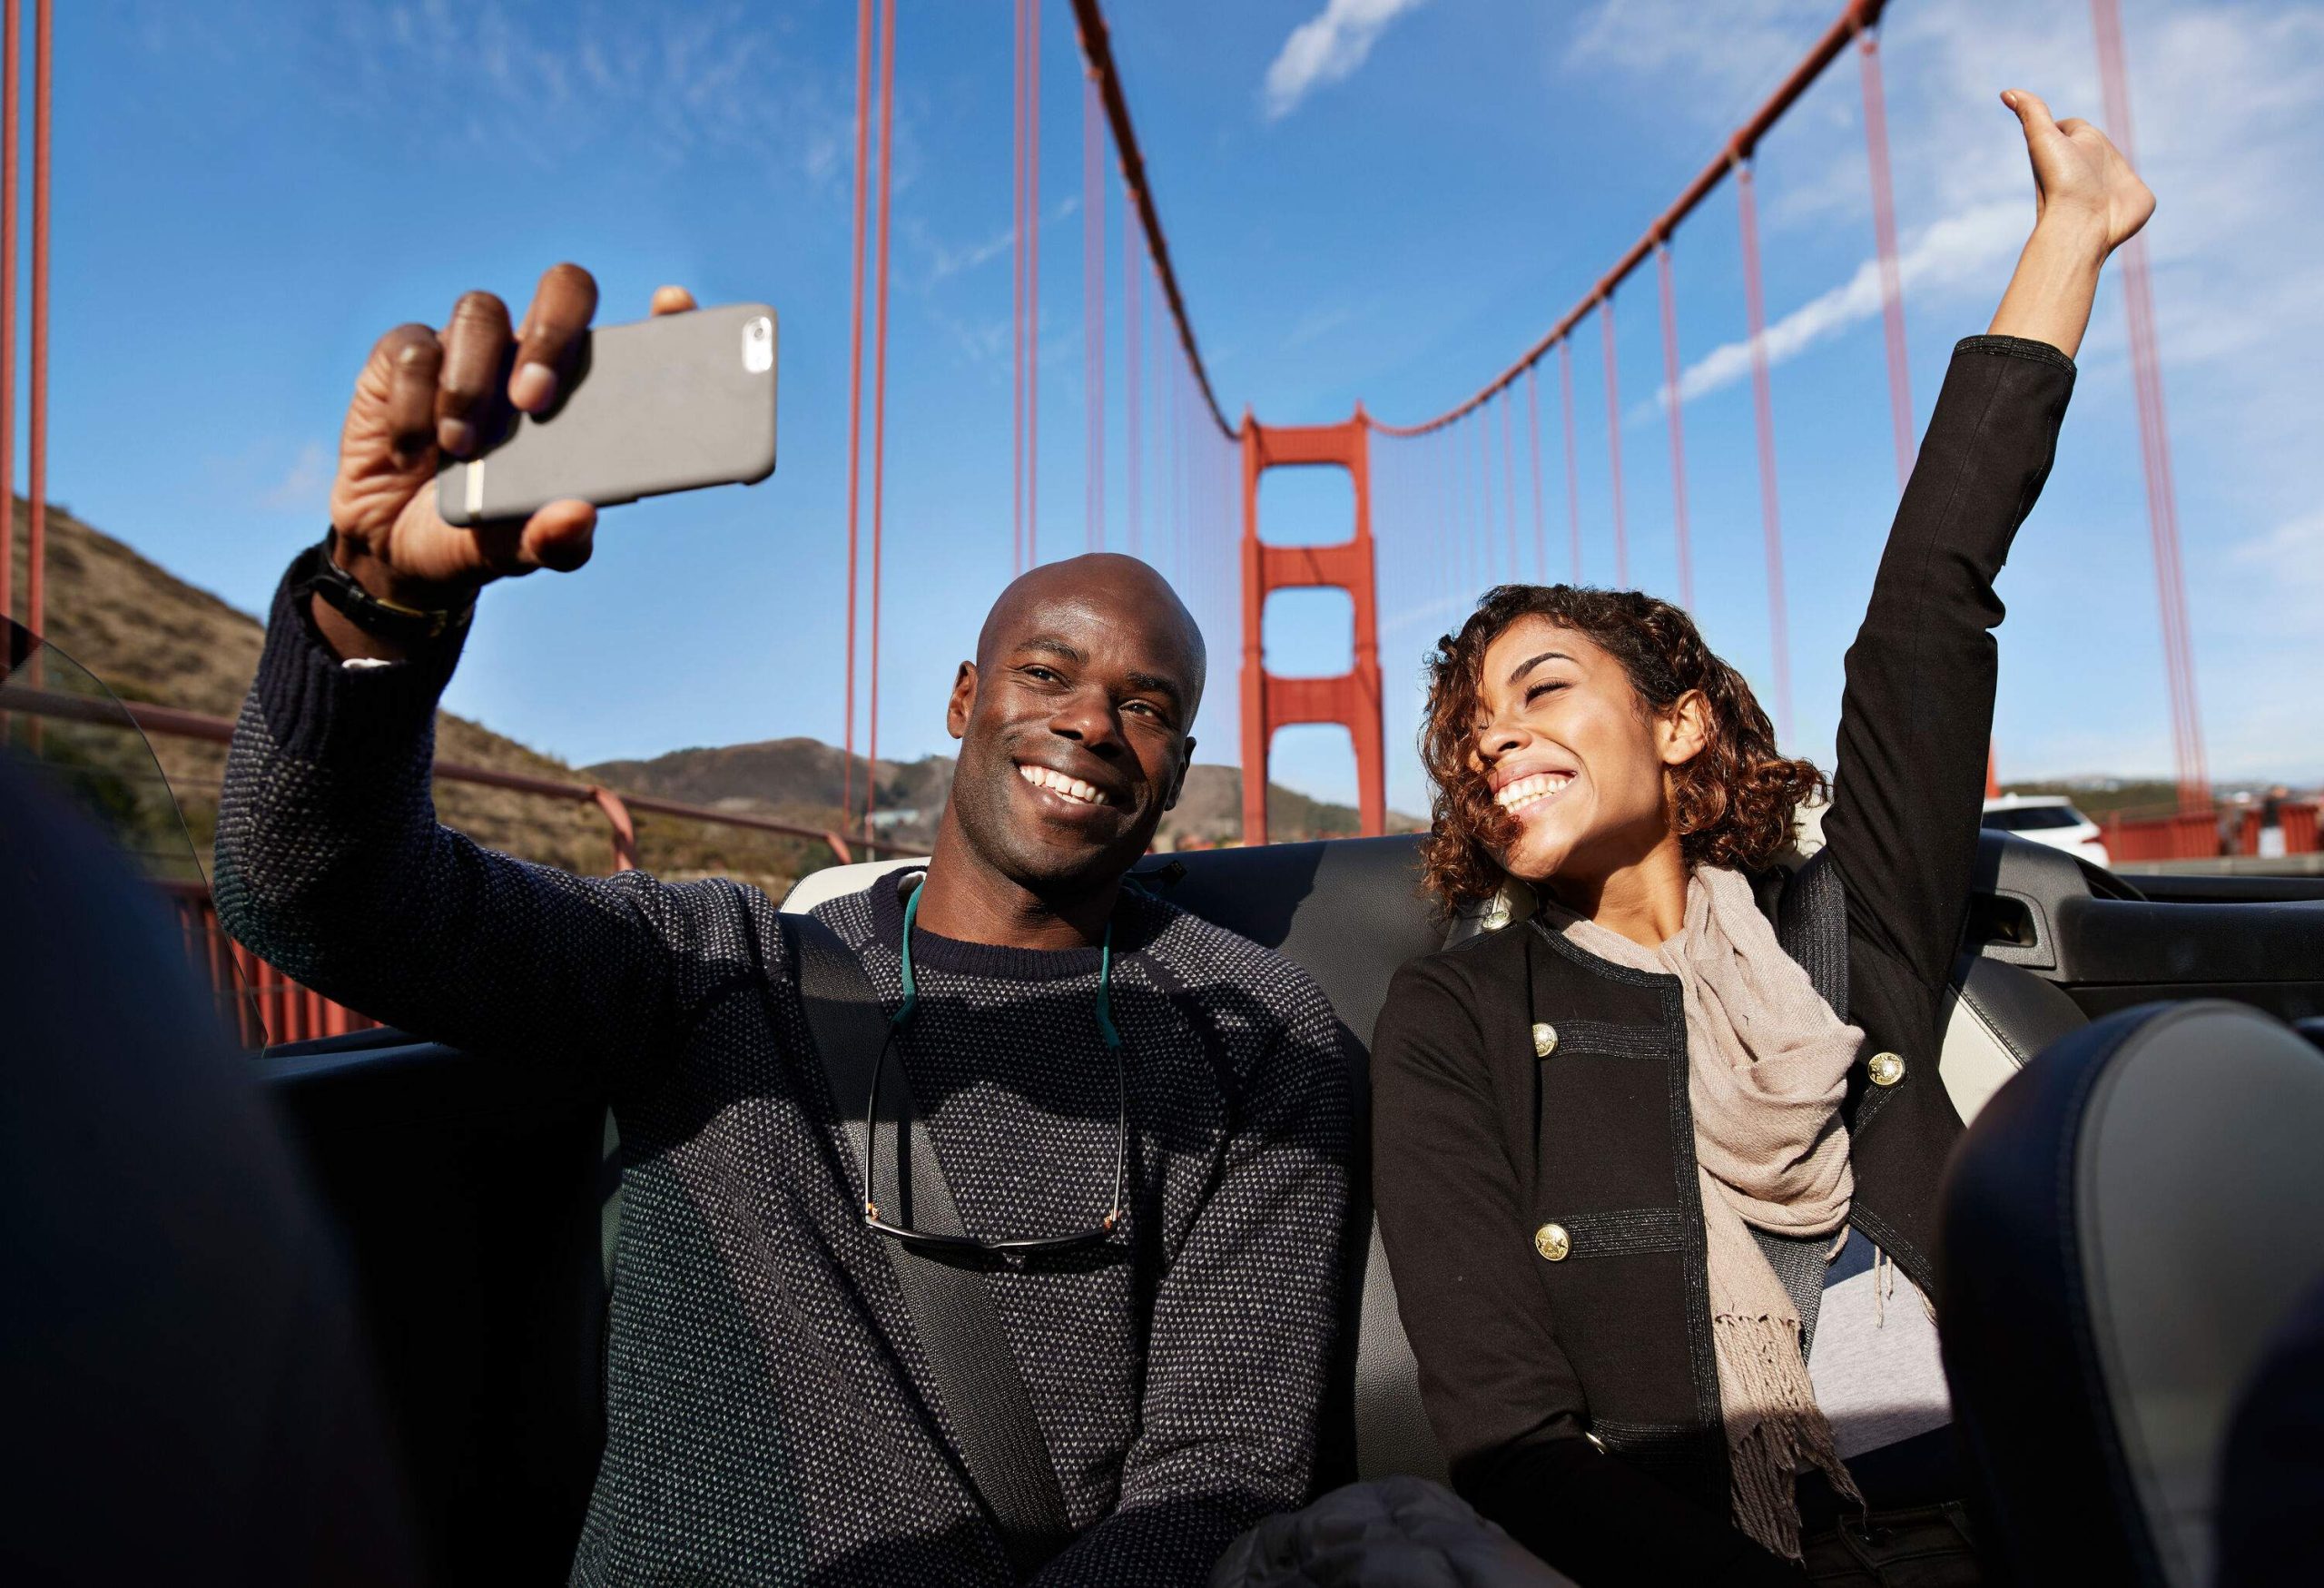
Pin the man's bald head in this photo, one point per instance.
(1116, 589)
(1074, 725)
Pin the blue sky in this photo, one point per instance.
(248, 191)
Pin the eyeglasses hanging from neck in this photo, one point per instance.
(1027, 1245)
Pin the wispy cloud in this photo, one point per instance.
(1327, 48)
(305, 485)
(548, 88)
(1962, 248)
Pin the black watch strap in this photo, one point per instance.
(318, 573)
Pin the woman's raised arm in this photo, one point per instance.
(1917, 712)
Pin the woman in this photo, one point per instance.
(1661, 1220)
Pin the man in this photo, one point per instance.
(772, 1409)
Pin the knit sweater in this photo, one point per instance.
(770, 1413)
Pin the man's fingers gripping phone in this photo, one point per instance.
(562, 307)
(559, 537)
(476, 350)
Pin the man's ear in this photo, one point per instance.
(1179, 782)
(964, 701)
(1685, 728)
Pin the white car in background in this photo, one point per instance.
(2049, 819)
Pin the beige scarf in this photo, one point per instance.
(1768, 1065)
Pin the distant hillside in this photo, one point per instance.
(154, 637)
(801, 780)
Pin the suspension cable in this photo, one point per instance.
(1130, 377)
(1033, 286)
(1678, 431)
(855, 379)
(1858, 16)
(1533, 434)
(1096, 48)
(880, 397)
(1883, 235)
(1017, 312)
(37, 429)
(1093, 322)
(1763, 413)
(1614, 442)
(1572, 476)
(2155, 435)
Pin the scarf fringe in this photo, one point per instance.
(1775, 1429)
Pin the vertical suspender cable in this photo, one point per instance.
(1033, 284)
(12, 110)
(1572, 479)
(1509, 488)
(1093, 311)
(1487, 566)
(1678, 435)
(880, 398)
(37, 459)
(1130, 440)
(1017, 314)
(855, 380)
(1466, 580)
(1763, 409)
(1883, 233)
(2155, 435)
(1614, 444)
(1442, 583)
(1533, 432)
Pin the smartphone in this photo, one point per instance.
(673, 403)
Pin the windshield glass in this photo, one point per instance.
(57, 720)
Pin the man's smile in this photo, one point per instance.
(1057, 788)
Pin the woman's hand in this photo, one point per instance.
(2088, 202)
(2080, 179)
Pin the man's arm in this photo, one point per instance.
(1244, 1321)
(331, 864)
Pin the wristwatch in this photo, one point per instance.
(318, 573)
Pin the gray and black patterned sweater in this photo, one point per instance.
(770, 1416)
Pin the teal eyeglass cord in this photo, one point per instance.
(1113, 1041)
(903, 1017)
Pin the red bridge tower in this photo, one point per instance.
(1353, 698)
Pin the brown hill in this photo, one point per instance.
(795, 779)
(154, 637)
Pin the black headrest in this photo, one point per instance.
(2123, 1226)
(179, 1338)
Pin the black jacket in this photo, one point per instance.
(1577, 1399)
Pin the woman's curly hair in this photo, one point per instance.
(1731, 805)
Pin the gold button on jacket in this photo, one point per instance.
(1886, 1069)
(1545, 1039)
(1551, 1241)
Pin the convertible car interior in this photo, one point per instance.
(482, 1212)
(2132, 1213)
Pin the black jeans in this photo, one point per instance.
(1924, 1547)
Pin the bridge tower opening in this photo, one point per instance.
(1349, 699)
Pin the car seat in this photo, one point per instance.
(2125, 1225)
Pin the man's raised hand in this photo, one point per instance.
(424, 395)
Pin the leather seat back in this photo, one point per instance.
(2125, 1224)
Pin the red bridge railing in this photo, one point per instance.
(2206, 834)
(278, 1009)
